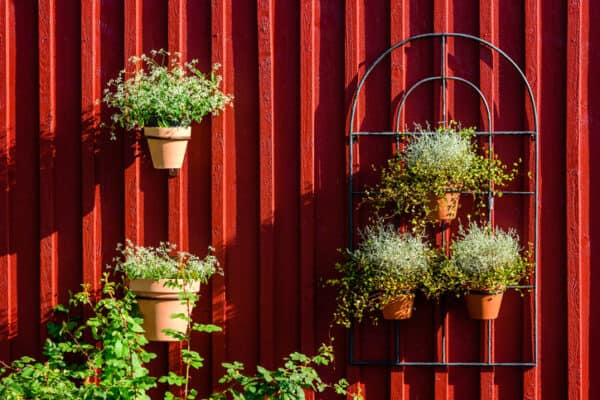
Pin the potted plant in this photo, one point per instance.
(425, 179)
(382, 274)
(483, 263)
(163, 97)
(158, 276)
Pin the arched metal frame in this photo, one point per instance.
(490, 133)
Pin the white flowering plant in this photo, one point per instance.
(485, 259)
(164, 262)
(385, 265)
(160, 90)
(433, 163)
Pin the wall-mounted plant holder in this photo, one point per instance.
(442, 359)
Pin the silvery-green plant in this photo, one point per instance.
(446, 155)
(164, 262)
(489, 259)
(432, 164)
(385, 265)
(161, 90)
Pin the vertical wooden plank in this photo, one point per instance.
(133, 204)
(398, 32)
(578, 202)
(197, 39)
(487, 69)
(91, 90)
(531, 376)
(221, 51)
(441, 23)
(8, 266)
(267, 181)
(25, 198)
(353, 63)
(47, 107)
(308, 74)
(177, 198)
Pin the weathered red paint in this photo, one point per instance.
(8, 270)
(578, 200)
(91, 90)
(265, 182)
(308, 84)
(266, 54)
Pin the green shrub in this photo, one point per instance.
(100, 357)
(285, 383)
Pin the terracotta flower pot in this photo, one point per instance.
(400, 308)
(483, 304)
(443, 208)
(157, 303)
(167, 145)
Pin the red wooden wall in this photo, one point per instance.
(265, 183)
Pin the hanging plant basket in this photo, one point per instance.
(400, 308)
(157, 302)
(483, 305)
(443, 208)
(167, 145)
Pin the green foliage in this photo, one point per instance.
(180, 384)
(385, 265)
(432, 164)
(163, 262)
(485, 259)
(163, 92)
(101, 357)
(285, 383)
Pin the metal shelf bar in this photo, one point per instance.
(504, 193)
(442, 364)
(478, 133)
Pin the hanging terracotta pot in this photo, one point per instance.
(157, 302)
(400, 308)
(483, 304)
(167, 145)
(443, 208)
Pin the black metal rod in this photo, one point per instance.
(510, 193)
(443, 79)
(476, 133)
(442, 364)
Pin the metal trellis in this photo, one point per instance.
(443, 78)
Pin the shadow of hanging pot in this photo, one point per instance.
(399, 308)
(157, 302)
(483, 304)
(443, 208)
(167, 145)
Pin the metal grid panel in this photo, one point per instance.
(397, 134)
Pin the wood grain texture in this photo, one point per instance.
(309, 60)
(578, 201)
(47, 116)
(265, 20)
(133, 47)
(8, 266)
(220, 54)
(91, 91)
